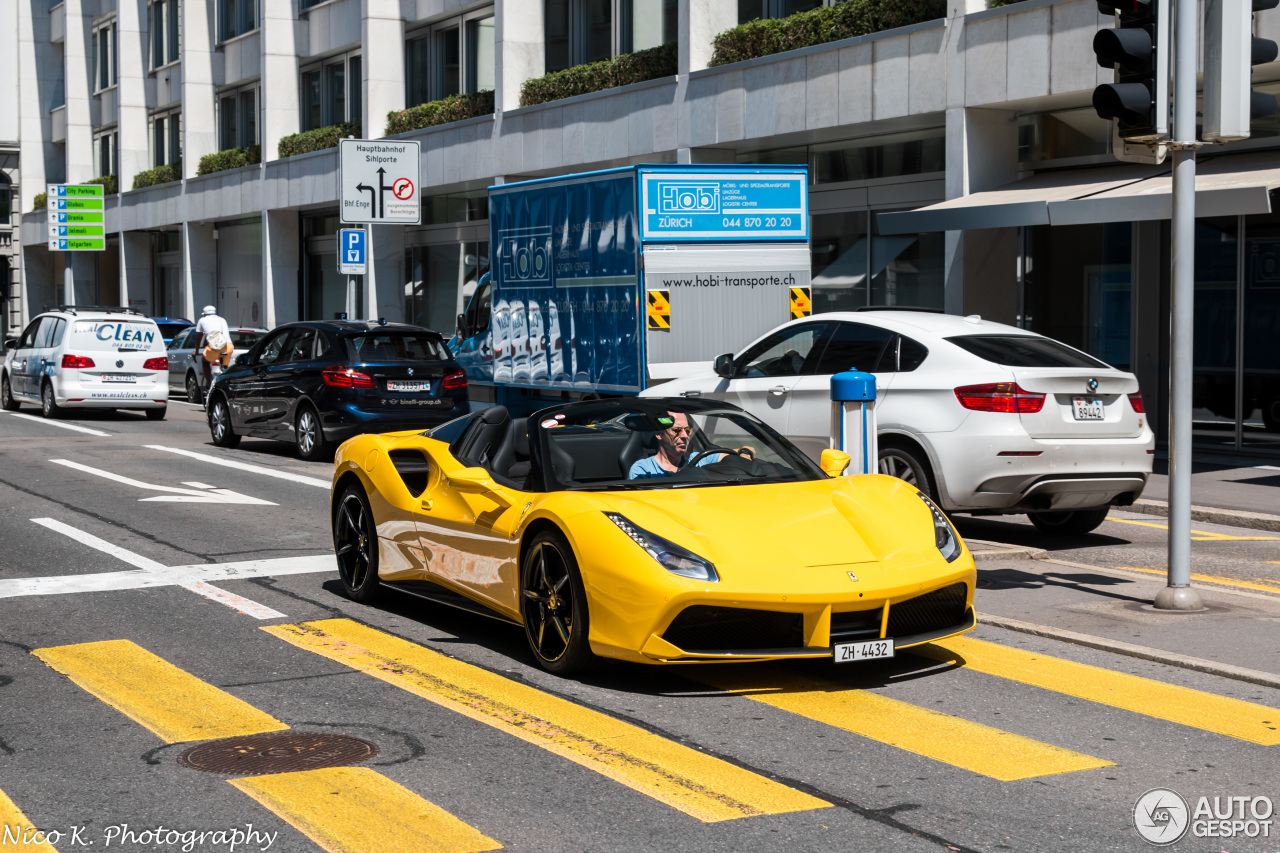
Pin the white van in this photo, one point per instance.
(90, 358)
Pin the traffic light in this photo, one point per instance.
(1138, 50)
(1230, 52)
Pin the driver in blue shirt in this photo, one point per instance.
(673, 447)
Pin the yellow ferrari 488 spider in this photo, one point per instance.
(649, 530)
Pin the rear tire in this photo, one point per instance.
(1070, 523)
(7, 402)
(49, 407)
(553, 603)
(907, 465)
(220, 424)
(194, 395)
(156, 414)
(308, 435)
(355, 543)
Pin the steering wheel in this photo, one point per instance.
(693, 460)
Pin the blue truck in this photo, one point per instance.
(606, 282)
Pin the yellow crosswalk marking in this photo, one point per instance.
(154, 693)
(17, 833)
(1195, 708)
(971, 746)
(358, 810)
(1201, 535)
(1212, 579)
(697, 784)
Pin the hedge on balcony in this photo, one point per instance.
(443, 111)
(629, 68)
(109, 184)
(819, 26)
(318, 139)
(40, 202)
(159, 175)
(232, 158)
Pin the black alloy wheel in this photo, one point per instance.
(220, 424)
(308, 435)
(7, 402)
(49, 407)
(1071, 522)
(355, 542)
(554, 605)
(193, 390)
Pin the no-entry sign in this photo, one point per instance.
(379, 182)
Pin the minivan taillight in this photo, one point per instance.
(999, 397)
(1135, 400)
(344, 377)
(454, 381)
(77, 362)
(161, 363)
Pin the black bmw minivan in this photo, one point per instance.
(316, 384)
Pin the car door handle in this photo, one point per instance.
(780, 390)
(426, 504)
(690, 393)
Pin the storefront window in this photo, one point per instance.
(1062, 135)
(239, 297)
(1261, 298)
(838, 242)
(906, 269)
(888, 156)
(440, 280)
(1213, 396)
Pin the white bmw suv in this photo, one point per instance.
(985, 418)
(90, 358)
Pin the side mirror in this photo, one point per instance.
(476, 481)
(462, 327)
(834, 462)
(724, 365)
(10, 343)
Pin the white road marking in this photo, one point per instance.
(207, 495)
(62, 424)
(1268, 467)
(150, 573)
(245, 466)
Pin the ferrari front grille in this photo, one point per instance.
(932, 611)
(855, 627)
(704, 628)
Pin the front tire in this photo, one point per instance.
(194, 395)
(156, 414)
(906, 464)
(49, 407)
(220, 424)
(1071, 523)
(7, 402)
(355, 542)
(553, 603)
(308, 435)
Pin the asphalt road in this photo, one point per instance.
(1005, 744)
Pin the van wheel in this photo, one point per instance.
(48, 404)
(6, 395)
(194, 396)
(1071, 523)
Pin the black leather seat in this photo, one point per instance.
(640, 443)
(481, 445)
(511, 459)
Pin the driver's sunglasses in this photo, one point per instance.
(677, 430)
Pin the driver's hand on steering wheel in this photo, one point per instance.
(747, 451)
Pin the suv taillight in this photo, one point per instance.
(161, 363)
(77, 362)
(999, 397)
(1135, 400)
(454, 381)
(344, 377)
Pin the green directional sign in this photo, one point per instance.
(76, 218)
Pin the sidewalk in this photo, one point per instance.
(1238, 636)
(1243, 491)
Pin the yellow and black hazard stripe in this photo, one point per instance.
(659, 310)
(801, 302)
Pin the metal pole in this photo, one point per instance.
(1179, 595)
(68, 280)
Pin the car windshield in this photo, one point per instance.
(661, 444)
(1024, 351)
(243, 338)
(383, 347)
(170, 330)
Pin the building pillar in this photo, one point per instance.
(199, 95)
(199, 268)
(135, 271)
(384, 284)
(35, 94)
(700, 22)
(520, 49)
(132, 43)
(283, 40)
(281, 266)
(80, 165)
(382, 35)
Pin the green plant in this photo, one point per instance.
(109, 184)
(629, 68)
(40, 202)
(232, 158)
(317, 140)
(443, 111)
(159, 175)
(819, 26)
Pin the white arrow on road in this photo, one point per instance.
(200, 494)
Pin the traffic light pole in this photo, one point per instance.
(1179, 595)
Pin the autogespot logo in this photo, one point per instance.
(1161, 816)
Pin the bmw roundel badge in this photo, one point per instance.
(410, 371)
(1093, 384)
(119, 362)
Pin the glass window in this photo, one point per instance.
(271, 351)
(418, 70)
(157, 34)
(1261, 304)
(648, 23)
(237, 17)
(784, 353)
(853, 346)
(597, 30)
(906, 269)
(45, 335)
(1062, 135)
(839, 248)
(441, 278)
(556, 34)
(1024, 351)
(312, 115)
(59, 329)
(228, 117)
(6, 199)
(249, 118)
(911, 354)
(301, 345)
(581, 31)
(104, 49)
(481, 56)
(335, 93)
(448, 62)
(395, 347)
(749, 10)
(1077, 287)
(355, 89)
(172, 18)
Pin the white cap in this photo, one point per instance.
(209, 309)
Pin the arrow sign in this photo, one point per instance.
(201, 493)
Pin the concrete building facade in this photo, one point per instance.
(954, 164)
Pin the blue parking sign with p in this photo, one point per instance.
(352, 253)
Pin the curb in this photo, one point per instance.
(1212, 515)
(1224, 670)
(999, 551)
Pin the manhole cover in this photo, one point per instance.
(279, 752)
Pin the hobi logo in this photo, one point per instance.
(685, 197)
(1161, 816)
(526, 256)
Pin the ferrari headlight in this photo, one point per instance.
(673, 558)
(943, 536)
